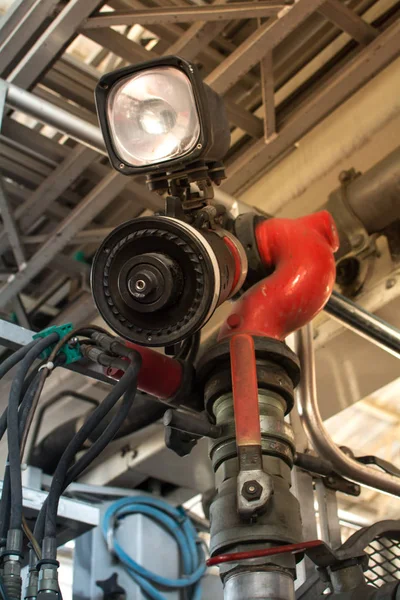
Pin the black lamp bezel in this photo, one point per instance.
(204, 142)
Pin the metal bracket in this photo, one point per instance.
(385, 465)
(340, 484)
(353, 236)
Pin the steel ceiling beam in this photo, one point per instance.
(37, 144)
(11, 230)
(79, 218)
(268, 96)
(53, 40)
(14, 15)
(119, 45)
(88, 236)
(195, 38)
(49, 190)
(243, 119)
(186, 14)
(363, 67)
(29, 19)
(259, 44)
(347, 20)
(54, 186)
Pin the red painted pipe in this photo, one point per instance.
(301, 252)
(245, 390)
(160, 375)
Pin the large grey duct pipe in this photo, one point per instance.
(374, 197)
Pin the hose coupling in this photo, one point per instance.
(33, 584)
(48, 588)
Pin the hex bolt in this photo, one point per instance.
(390, 283)
(252, 490)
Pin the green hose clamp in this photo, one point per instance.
(72, 353)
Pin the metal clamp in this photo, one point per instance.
(254, 486)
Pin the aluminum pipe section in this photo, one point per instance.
(314, 426)
(259, 585)
(374, 197)
(365, 324)
(49, 114)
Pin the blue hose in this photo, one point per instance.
(177, 523)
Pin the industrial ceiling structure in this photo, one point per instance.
(282, 68)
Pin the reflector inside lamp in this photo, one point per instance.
(153, 116)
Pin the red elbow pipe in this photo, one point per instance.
(301, 253)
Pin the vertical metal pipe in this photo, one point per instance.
(314, 426)
(259, 585)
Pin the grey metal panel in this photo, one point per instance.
(148, 457)
(143, 540)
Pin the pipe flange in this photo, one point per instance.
(270, 446)
(278, 369)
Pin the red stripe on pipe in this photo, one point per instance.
(238, 556)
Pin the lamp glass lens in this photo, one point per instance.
(153, 116)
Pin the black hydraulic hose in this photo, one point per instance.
(26, 403)
(13, 427)
(5, 507)
(6, 366)
(94, 451)
(145, 411)
(28, 380)
(108, 434)
(5, 504)
(43, 409)
(195, 346)
(15, 358)
(81, 436)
